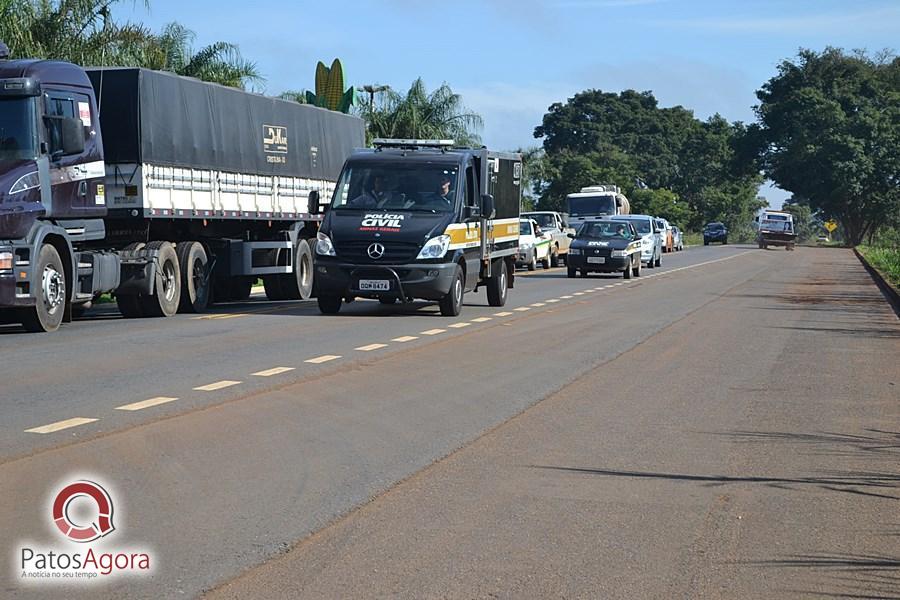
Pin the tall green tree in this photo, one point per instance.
(420, 114)
(830, 128)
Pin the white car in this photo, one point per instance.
(651, 240)
(534, 245)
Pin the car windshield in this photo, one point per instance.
(544, 220)
(525, 228)
(17, 130)
(417, 187)
(605, 229)
(581, 206)
(641, 225)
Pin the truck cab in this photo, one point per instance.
(595, 202)
(420, 219)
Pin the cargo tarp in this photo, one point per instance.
(159, 118)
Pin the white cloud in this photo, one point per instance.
(884, 19)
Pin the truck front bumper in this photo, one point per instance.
(428, 281)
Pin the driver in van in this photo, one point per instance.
(373, 196)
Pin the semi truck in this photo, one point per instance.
(165, 191)
(594, 202)
(776, 228)
(420, 219)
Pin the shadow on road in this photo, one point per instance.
(870, 576)
(872, 441)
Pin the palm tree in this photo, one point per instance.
(420, 115)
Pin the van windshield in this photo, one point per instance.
(17, 129)
(417, 187)
(580, 206)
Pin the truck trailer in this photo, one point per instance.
(164, 190)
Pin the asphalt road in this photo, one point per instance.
(727, 426)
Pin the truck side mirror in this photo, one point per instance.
(470, 212)
(313, 200)
(487, 206)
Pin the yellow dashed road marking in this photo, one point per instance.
(211, 387)
(322, 359)
(60, 425)
(273, 371)
(434, 331)
(371, 347)
(147, 403)
(405, 338)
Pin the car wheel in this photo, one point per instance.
(545, 262)
(658, 262)
(626, 274)
(554, 258)
(532, 264)
(636, 269)
(451, 304)
(50, 295)
(571, 272)
(705, 242)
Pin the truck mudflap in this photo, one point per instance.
(138, 271)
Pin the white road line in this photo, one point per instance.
(522, 309)
(405, 338)
(578, 294)
(565, 297)
(458, 325)
(322, 359)
(273, 371)
(371, 347)
(60, 425)
(538, 304)
(211, 387)
(552, 300)
(502, 314)
(481, 320)
(434, 331)
(147, 403)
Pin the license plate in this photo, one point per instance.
(374, 285)
(599, 260)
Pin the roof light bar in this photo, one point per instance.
(404, 143)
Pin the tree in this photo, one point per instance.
(830, 127)
(661, 203)
(422, 115)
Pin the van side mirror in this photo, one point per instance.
(313, 207)
(487, 206)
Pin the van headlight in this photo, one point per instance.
(324, 247)
(436, 247)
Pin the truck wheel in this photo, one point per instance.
(299, 284)
(274, 290)
(329, 305)
(167, 289)
(451, 304)
(570, 272)
(195, 281)
(636, 268)
(497, 289)
(50, 293)
(554, 257)
(239, 288)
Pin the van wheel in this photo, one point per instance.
(50, 293)
(167, 289)
(451, 304)
(329, 305)
(194, 277)
(497, 286)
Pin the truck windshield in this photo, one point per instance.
(17, 129)
(580, 206)
(418, 187)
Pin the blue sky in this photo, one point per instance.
(511, 59)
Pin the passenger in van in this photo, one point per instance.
(373, 196)
(441, 199)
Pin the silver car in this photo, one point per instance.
(651, 245)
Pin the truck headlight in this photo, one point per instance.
(6, 261)
(618, 254)
(436, 247)
(324, 247)
(575, 251)
(26, 182)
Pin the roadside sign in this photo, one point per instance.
(830, 226)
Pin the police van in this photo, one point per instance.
(420, 219)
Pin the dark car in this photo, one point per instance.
(715, 232)
(606, 246)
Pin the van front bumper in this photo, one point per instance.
(428, 281)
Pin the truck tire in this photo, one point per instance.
(497, 286)
(167, 287)
(272, 284)
(195, 281)
(554, 257)
(299, 284)
(50, 294)
(329, 305)
(239, 288)
(451, 304)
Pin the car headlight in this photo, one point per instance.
(436, 247)
(324, 247)
(575, 251)
(618, 254)
(26, 182)
(6, 261)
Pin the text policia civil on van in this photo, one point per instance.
(420, 219)
(167, 191)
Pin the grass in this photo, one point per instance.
(885, 259)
